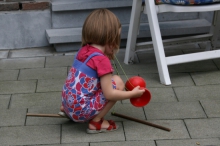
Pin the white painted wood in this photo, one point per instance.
(157, 42)
(192, 57)
(133, 30)
(162, 61)
(177, 8)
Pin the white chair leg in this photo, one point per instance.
(133, 31)
(157, 42)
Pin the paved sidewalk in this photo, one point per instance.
(31, 81)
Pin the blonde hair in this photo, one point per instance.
(101, 27)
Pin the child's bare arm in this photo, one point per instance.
(111, 94)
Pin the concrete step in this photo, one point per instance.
(67, 35)
(74, 12)
(68, 39)
(77, 18)
(69, 5)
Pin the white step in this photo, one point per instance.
(67, 5)
(170, 28)
(65, 35)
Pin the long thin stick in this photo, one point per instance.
(141, 121)
(45, 115)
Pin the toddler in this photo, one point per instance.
(91, 90)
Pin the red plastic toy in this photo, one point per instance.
(134, 82)
(145, 98)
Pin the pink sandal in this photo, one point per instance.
(97, 125)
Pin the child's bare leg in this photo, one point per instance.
(109, 105)
(61, 108)
(119, 82)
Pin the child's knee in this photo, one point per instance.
(119, 82)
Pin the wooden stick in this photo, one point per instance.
(141, 121)
(45, 115)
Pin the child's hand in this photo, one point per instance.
(137, 91)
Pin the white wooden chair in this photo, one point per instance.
(151, 9)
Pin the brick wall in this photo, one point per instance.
(13, 5)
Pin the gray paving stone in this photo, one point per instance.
(135, 69)
(164, 99)
(174, 110)
(36, 100)
(125, 78)
(68, 68)
(203, 128)
(74, 133)
(147, 78)
(211, 107)
(4, 54)
(43, 73)
(121, 54)
(217, 62)
(177, 79)
(136, 131)
(152, 80)
(125, 143)
(201, 50)
(59, 61)
(125, 109)
(11, 87)
(189, 142)
(146, 56)
(126, 101)
(149, 56)
(32, 52)
(159, 95)
(4, 101)
(72, 144)
(186, 67)
(29, 135)
(13, 117)
(50, 85)
(162, 95)
(181, 79)
(206, 78)
(8, 75)
(193, 93)
(20, 63)
(45, 120)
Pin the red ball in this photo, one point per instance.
(134, 82)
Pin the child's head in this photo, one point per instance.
(102, 27)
